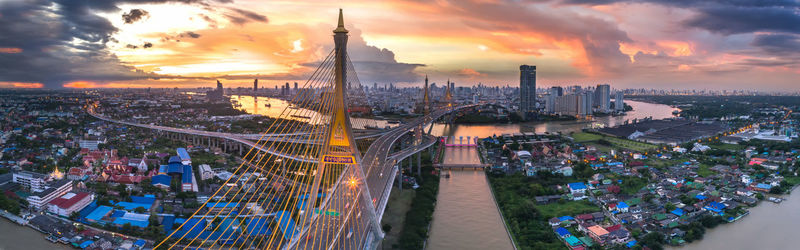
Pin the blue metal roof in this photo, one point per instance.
(565, 218)
(577, 185)
(86, 244)
(286, 224)
(130, 206)
(187, 174)
(677, 212)
(99, 213)
(175, 168)
(174, 159)
(161, 179)
(622, 204)
(168, 222)
(221, 204)
(257, 226)
(562, 232)
(183, 154)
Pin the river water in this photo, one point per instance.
(16, 237)
(465, 216)
(641, 110)
(769, 226)
(274, 107)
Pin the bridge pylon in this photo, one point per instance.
(339, 148)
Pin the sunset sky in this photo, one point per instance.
(665, 44)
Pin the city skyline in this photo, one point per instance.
(630, 44)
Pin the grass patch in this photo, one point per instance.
(563, 208)
(792, 180)
(595, 140)
(725, 146)
(395, 215)
(632, 145)
(585, 137)
(704, 170)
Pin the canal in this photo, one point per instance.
(466, 216)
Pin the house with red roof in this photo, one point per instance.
(69, 203)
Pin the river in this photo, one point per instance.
(641, 110)
(13, 237)
(769, 226)
(465, 216)
(274, 107)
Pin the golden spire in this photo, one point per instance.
(340, 28)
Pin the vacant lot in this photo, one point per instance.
(570, 208)
(595, 140)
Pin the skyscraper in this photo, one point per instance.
(255, 85)
(557, 91)
(619, 104)
(527, 88)
(602, 97)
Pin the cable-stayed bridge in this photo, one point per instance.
(306, 185)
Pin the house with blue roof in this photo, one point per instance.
(577, 187)
(175, 168)
(174, 159)
(216, 207)
(98, 214)
(763, 187)
(563, 232)
(161, 181)
(679, 212)
(715, 207)
(622, 207)
(134, 219)
(184, 156)
(187, 177)
(565, 218)
(701, 197)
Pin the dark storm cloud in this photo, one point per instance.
(240, 16)
(729, 16)
(694, 3)
(735, 20)
(189, 34)
(134, 15)
(779, 44)
(66, 41)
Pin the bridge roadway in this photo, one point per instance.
(379, 170)
(240, 138)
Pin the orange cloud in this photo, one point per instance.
(678, 48)
(81, 85)
(471, 73)
(10, 50)
(21, 85)
(632, 49)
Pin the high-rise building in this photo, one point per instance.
(255, 85)
(527, 88)
(619, 104)
(557, 90)
(602, 97)
(585, 103)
